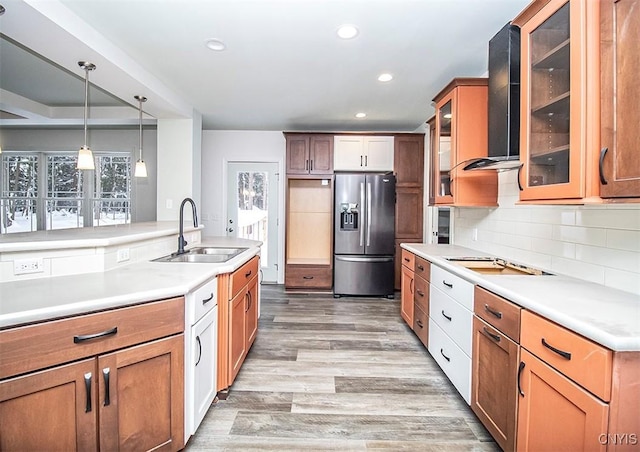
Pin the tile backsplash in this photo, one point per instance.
(597, 243)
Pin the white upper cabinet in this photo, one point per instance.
(363, 153)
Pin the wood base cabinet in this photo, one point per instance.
(128, 399)
(407, 287)
(238, 319)
(555, 413)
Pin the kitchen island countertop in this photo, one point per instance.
(607, 316)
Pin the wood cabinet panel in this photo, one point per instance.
(41, 345)
(421, 324)
(498, 312)
(407, 294)
(308, 276)
(297, 154)
(237, 334)
(580, 359)
(48, 409)
(422, 268)
(409, 213)
(146, 382)
(620, 61)
(556, 414)
(243, 275)
(321, 154)
(493, 390)
(408, 160)
(309, 154)
(408, 259)
(421, 293)
(252, 312)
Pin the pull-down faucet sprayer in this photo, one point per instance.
(181, 241)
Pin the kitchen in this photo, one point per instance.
(594, 243)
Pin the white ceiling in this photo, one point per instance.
(284, 67)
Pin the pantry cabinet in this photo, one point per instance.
(123, 388)
(309, 154)
(620, 62)
(461, 134)
(560, 101)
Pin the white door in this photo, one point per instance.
(348, 153)
(252, 209)
(378, 153)
(205, 353)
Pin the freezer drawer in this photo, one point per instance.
(363, 275)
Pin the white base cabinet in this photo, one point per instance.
(451, 359)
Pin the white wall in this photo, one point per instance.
(221, 147)
(595, 243)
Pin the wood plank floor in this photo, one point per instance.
(338, 374)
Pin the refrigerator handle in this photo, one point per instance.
(361, 212)
(368, 213)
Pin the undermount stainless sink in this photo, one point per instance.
(495, 266)
(203, 254)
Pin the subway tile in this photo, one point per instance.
(607, 257)
(609, 218)
(578, 269)
(623, 240)
(581, 235)
(554, 247)
(622, 280)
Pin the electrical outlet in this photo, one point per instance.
(24, 266)
(122, 255)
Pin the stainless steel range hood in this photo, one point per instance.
(504, 103)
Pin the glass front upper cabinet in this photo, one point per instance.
(444, 150)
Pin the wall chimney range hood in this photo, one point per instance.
(504, 103)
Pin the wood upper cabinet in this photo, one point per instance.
(129, 399)
(461, 134)
(560, 101)
(309, 153)
(620, 61)
(409, 171)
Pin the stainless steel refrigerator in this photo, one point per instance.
(364, 229)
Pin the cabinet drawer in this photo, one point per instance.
(421, 325)
(454, 286)
(585, 362)
(201, 301)
(454, 320)
(451, 359)
(41, 345)
(421, 293)
(422, 268)
(408, 259)
(498, 312)
(242, 276)
(308, 276)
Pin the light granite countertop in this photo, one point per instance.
(607, 316)
(42, 299)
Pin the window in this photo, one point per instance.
(45, 191)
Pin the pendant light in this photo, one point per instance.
(85, 156)
(141, 167)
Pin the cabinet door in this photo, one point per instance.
(620, 59)
(406, 302)
(493, 382)
(52, 409)
(141, 396)
(444, 152)
(205, 355)
(409, 213)
(321, 154)
(237, 333)
(556, 414)
(408, 160)
(297, 154)
(378, 153)
(252, 312)
(348, 153)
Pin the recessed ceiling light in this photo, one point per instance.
(215, 44)
(361, 115)
(386, 77)
(347, 31)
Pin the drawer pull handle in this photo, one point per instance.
(520, 369)
(421, 268)
(420, 324)
(246, 275)
(199, 350)
(87, 387)
(406, 259)
(497, 314)
(106, 372)
(88, 337)
(450, 286)
(445, 356)
(207, 300)
(495, 337)
(307, 277)
(421, 293)
(446, 316)
(565, 355)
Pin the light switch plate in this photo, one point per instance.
(122, 255)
